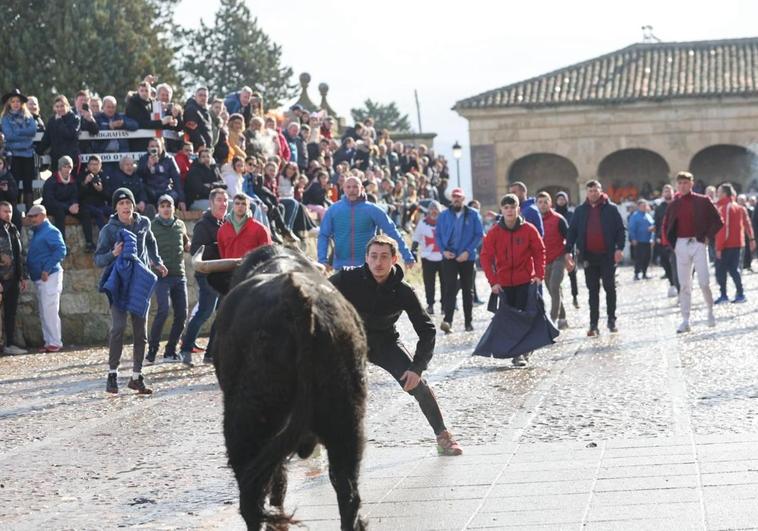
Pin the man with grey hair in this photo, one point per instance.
(239, 102)
(298, 153)
(112, 120)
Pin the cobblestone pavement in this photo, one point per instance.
(626, 431)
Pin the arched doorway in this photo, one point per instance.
(546, 171)
(633, 173)
(725, 163)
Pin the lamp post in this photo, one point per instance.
(457, 153)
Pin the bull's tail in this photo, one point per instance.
(258, 473)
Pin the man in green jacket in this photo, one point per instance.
(171, 236)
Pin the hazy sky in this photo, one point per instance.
(449, 50)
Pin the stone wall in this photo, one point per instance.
(676, 130)
(84, 311)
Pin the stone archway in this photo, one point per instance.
(725, 163)
(545, 171)
(633, 172)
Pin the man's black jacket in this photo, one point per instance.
(380, 306)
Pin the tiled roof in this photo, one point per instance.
(644, 71)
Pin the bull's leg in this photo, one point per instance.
(243, 443)
(279, 488)
(343, 473)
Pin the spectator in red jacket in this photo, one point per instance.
(184, 161)
(241, 233)
(730, 240)
(513, 256)
(555, 229)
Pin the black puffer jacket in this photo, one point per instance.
(62, 138)
(200, 180)
(380, 306)
(205, 233)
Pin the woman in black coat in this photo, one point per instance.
(61, 136)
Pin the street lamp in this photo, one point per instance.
(457, 153)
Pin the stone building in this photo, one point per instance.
(632, 118)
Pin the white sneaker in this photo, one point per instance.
(672, 292)
(14, 350)
(683, 328)
(711, 319)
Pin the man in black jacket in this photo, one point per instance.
(204, 234)
(598, 233)
(668, 262)
(12, 275)
(380, 296)
(197, 119)
(202, 177)
(139, 107)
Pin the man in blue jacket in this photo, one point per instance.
(43, 262)
(598, 233)
(351, 222)
(528, 206)
(641, 230)
(459, 234)
(145, 251)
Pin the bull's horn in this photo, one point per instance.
(213, 266)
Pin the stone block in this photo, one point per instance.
(75, 303)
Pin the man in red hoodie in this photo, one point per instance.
(241, 233)
(555, 227)
(513, 256)
(691, 222)
(730, 240)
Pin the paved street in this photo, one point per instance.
(636, 430)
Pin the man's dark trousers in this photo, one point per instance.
(600, 268)
(452, 270)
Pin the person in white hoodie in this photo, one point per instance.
(429, 252)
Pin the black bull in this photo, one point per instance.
(290, 355)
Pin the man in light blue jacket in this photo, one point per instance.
(351, 222)
(641, 230)
(459, 233)
(43, 262)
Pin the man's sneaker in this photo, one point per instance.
(139, 386)
(737, 300)
(208, 359)
(196, 349)
(683, 328)
(519, 361)
(562, 324)
(576, 302)
(711, 319)
(469, 327)
(477, 302)
(187, 359)
(721, 300)
(171, 358)
(593, 332)
(49, 348)
(430, 309)
(636, 277)
(14, 350)
(111, 385)
(672, 292)
(446, 327)
(448, 446)
(150, 358)
(612, 326)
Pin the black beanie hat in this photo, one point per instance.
(122, 193)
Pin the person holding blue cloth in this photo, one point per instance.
(126, 249)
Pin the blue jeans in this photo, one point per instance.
(729, 263)
(207, 300)
(175, 289)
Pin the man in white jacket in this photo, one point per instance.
(429, 252)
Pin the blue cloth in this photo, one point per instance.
(19, 131)
(459, 233)
(513, 332)
(46, 250)
(232, 102)
(127, 281)
(639, 227)
(147, 247)
(532, 214)
(352, 225)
